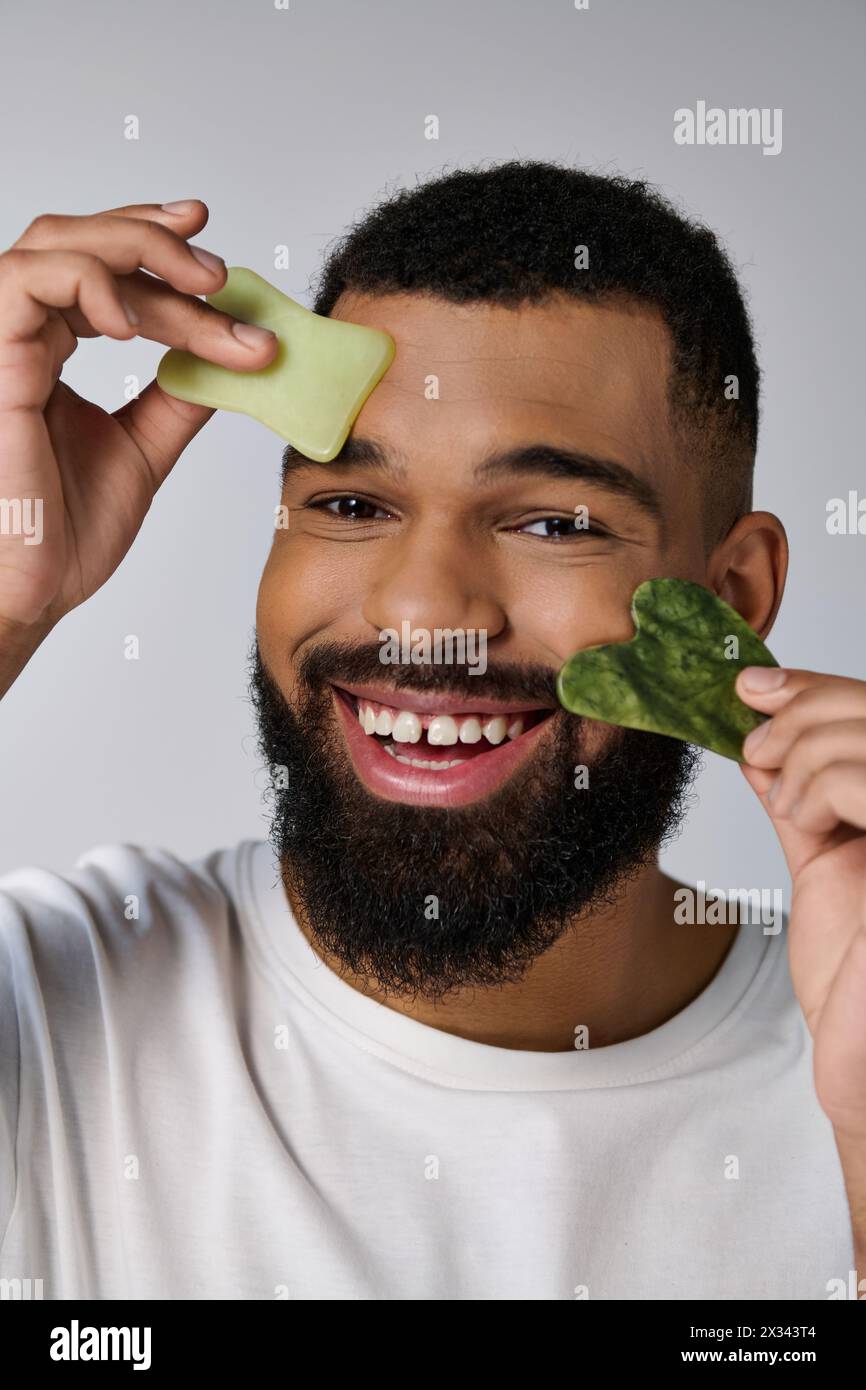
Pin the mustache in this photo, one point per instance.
(359, 663)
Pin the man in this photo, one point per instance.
(446, 1035)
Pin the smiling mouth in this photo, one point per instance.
(434, 754)
(441, 740)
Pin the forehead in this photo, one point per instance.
(565, 371)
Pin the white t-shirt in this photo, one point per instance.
(193, 1106)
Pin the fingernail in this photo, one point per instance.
(251, 335)
(129, 311)
(756, 736)
(773, 789)
(181, 206)
(208, 259)
(763, 677)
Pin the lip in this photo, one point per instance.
(456, 786)
(437, 704)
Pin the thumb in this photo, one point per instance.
(161, 426)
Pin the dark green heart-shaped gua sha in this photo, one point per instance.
(676, 675)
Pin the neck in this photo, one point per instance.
(618, 973)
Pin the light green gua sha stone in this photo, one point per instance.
(311, 393)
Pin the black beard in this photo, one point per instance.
(508, 875)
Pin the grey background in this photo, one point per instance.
(289, 124)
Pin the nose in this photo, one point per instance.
(435, 578)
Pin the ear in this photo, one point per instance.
(749, 567)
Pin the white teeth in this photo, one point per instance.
(495, 729)
(420, 762)
(404, 726)
(407, 727)
(384, 722)
(442, 730)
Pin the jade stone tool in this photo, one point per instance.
(676, 676)
(312, 391)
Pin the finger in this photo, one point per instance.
(827, 700)
(59, 339)
(164, 298)
(835, 795)
(816, 748)
(184, 217)
(760, 779)
(770, 688)
(161, 426)
(166, 316)
(182, 321)
(128, 243)
(32, 282)
(798, 847)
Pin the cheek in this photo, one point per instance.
(578, 607)
(307, 587)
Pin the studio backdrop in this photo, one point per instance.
(289, 120)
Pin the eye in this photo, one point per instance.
(349, 508)
(558, 528)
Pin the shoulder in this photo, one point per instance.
(119, 902)
(94, 961)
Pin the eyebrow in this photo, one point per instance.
(538, 460)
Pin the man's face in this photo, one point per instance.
(537, 557)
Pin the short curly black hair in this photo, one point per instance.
(507, 234)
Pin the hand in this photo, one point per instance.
(807, 765)
(96, 473)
